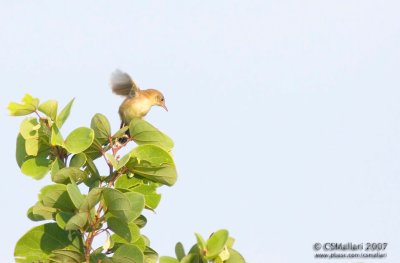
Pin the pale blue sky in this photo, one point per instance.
(285, 114)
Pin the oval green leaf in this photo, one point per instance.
(39, 242)
(49, 108)
(56, 137)
(75, 195)
(65, 175)
(20, 154)
(78, 221)
(120, 228)
(165, 259)
(91, 199)
(64, 255)
(136, 202)
(56, 196)
(151, 197)
(29, 104)
(179, 251)
(62, 218)
(101, 127)
(39, 212)
(36, 167)
(215, 244)
(78, 160)
(29, 128)
(153, 163)
(117, 203)
(79, 140)
(64, 114)
(143, 132)
(234, 257)
(128, 253)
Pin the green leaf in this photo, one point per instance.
(65, 175)
(79, 140)
(118, 164)
(75, 195)
(143, 132)
(56, 196)
(94, 151)
(29, 131)
(123, 161)
(120, 132)
(235, 257)
(134, 235)
(56, 166)
(128, 253)
(29, 104)
(36, 167)
(223, 256)
(126, 207)
(141, 243)
(200, 242)
(179, 251)
(39, 242)
(215, 244)
(35, 137)
(112, 160)
(165, 259)
(146, 240)
(92, 167)
(63, 255)
(78, 160)
(16, 109)
(62, 218)
(49, 108)
(91, 199)
(29, 128)
(193, 258)
(150, 255)
(101, 127)
(29, 100)
(64, 114)
(117, 203)
(39, 212)
(32, 146)
(120, 228)
(78, 221)
(136, 202)
(230, 242)
(20, 152)
(141, 221)
(153, 163)
(56, 137)
(152, 198)
(97, 256)
(124, 182)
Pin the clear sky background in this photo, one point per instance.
(285, 114)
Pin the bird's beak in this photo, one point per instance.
(165, 107)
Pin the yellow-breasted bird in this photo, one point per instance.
(137, 102)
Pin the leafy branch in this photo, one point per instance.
(113, 203)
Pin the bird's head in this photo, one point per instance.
(158, 99)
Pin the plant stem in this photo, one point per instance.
(94, 232)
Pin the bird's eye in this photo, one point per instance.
(162, 99)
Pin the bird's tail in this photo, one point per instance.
(122, 84)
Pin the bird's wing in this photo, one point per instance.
(122, 84)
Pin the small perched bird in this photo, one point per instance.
(137, 102)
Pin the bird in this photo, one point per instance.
(137, 102)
